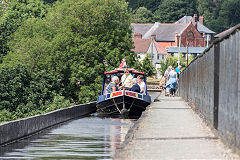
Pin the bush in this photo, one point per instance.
(24, 93)
(172, 61)
(146, 66)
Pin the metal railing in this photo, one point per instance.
(211, 85)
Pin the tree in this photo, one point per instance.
(77, 40)
(3, 6)
(142, 15)
(207, 9)
(172, 10)
(149, 4)
(229, 14)
(172, 61)
(14, 14)
(24, 93)
(147, 67)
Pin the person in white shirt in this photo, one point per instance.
(126, 79)
(142, 84)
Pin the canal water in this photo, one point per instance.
(88, 138)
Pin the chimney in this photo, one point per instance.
(204, 40)
(176, 39)
(153, 37)
(195, 19)
(190, 21)
(137, 35)
(201, 20)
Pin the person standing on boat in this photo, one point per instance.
(112, 86)
(135, 87)
(123, 63)
(142, 84)
(126, 79)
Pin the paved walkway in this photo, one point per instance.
(169, 129)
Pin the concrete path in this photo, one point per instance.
(169, 129)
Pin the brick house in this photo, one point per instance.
(188, 32)
(198, 22)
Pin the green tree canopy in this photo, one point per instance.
(142, 15)
(207, 8)
(146, 66)
(78, 40)
(151, 5)
(229, 14)
(24, 93)
(14, 14)
(170, 11)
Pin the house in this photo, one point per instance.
(171, 34)
(198, 22)
(186, 32)
(150, 47)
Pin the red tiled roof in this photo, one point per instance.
(159, 48)
(141, 45)
(224, 32)
(163, 31)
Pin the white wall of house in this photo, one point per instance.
(156, 57)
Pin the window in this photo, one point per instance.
(157, 56)
(162, 57)
(190, 34)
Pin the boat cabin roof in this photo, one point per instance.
(120, 70)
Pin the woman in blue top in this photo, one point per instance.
(172, 82)
(112, 86)
(135, 87)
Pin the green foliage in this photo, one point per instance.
(169, 11)
(49, 1)
(229, 14)
(16, 12)
(149, 4)
(24, 93)
(142, 15)
(207, 9)
(77, 40)
(6, 115)
(3, 6)
(146, 66)
(172, 61)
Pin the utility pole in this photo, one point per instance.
(187, 53)
(207, 40)
(179, 51)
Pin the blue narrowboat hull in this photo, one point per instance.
(125, 103)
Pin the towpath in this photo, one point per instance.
(170, 129)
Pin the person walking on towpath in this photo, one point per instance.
(178, 70)
(172, 82)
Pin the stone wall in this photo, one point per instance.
(14, 130)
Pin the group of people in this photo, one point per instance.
(171, 79)
(128, 82)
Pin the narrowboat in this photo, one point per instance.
(123, 102)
